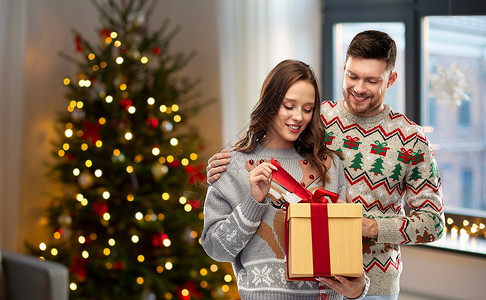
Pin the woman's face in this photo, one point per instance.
(292, 117)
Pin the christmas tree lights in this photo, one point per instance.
(128, 217)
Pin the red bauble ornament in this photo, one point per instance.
(196, 173)
(175, 163)
(126, 103)
(118, 265)
(105, 32)
(152, 122)
(91, 129)
(78, 267)
(195, 204)
(79, 43)
(100, 208)
(156, 50)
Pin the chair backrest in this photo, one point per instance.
(27, 277)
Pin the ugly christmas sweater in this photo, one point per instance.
(251, 235)
(386, 158)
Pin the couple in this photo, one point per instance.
(356, 147)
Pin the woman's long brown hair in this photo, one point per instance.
(310, 143)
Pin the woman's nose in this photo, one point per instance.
(298, 115)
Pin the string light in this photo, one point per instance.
(144, 60)
(151, 101)
(109, 99)
(68, 133)
(174, 141)
(135, 239)
(165, 196)
(73, 286)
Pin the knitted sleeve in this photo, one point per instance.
(227, 230)
(424, 196)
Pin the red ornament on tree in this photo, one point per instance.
(79, 43)
(79, 267)
(195, 204)
(126, 103)
(196, 173)
(118, 265)
(152, 122)
(185, 292)
(105, 32)
(156, 50)
(100, 208)
(91, 129)
(174, 164)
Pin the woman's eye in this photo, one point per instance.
(307, 110)
(288, 107)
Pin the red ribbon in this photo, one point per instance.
(290, 183)
(319, 220)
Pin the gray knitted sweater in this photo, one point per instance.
(250, 235)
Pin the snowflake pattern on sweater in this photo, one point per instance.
(387, 158)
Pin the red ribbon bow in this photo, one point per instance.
(290, 183)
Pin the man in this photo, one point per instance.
(386, 157)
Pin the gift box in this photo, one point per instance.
(321, 238)
(324, 240)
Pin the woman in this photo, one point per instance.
(243, 220)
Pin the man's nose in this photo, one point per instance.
(360, 87)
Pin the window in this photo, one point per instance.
(454, 84)
(442, 68)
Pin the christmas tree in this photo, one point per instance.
(128, 217)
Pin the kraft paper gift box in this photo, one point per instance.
(321, 238)
(316, 249)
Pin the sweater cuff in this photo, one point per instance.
(387, 230)
(253, 210)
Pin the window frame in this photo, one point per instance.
(410, 13)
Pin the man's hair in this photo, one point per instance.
(374, 44)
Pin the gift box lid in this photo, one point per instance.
(334, 210)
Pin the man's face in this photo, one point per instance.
(364, 85)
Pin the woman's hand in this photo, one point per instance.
(260, 180)
(348, 287)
